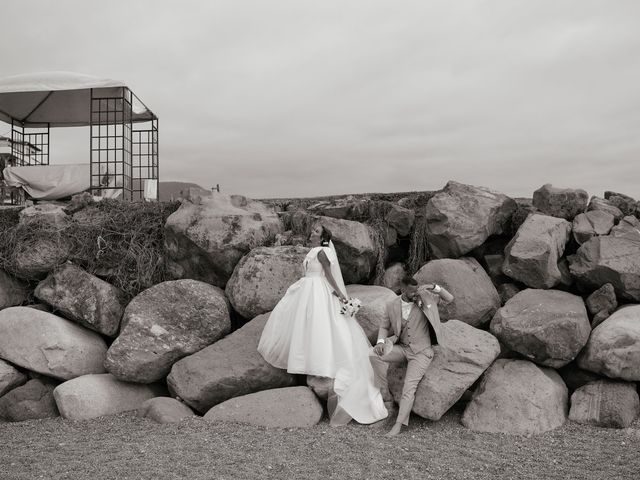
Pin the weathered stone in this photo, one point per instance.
(461, 217)
(10, 377)
(523, 210)
(50, 345)
(347, 208)
(476, 298)
(373, 311)
(609, 260)
(517, 397)
(12, 291)
(600, 204)
(507, 291)
(164, 324)
(321, 386)
(262, 277)
(36, 259)
(229, 368)
(164, 410)
(209, 234)
(560, 202)
(548, 327)
(356, 248)
(575, 377)
(598, 318)
(83, 298)
(533, 254)
(454, 369)
(92, 396)
(629, 228)
(613, 348)
(401, 219)
(293, 407)
(30, 401)
(393, 276)
(625, 203)
(590, 224)
(605, 403)
(289, 238)
(50, 213)
(603, 299)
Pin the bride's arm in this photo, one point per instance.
(326, 265)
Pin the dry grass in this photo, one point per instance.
(125, 447)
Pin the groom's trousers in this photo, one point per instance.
(417, 365)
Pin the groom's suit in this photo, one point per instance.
(413, 340)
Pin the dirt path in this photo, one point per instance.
(125, 447)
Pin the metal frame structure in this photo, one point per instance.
(29, 145)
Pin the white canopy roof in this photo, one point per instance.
(61, 99)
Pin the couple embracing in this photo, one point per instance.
(307, 334)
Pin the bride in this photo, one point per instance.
(307, 334)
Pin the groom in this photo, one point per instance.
(415, 321)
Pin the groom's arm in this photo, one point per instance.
(383, 332)
(445, 296)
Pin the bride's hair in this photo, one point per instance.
(325, 236)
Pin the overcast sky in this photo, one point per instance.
(302, 98)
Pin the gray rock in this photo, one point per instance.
(549, 327)
(461, 217)
(163, 324)
(517, 397)
(50, 345)
(507, 291)
(532, 256)
(401, 219)
(164, 410)
(454, 369)
(600, 204)
(476, 298)
(321, 386)
(262, 277)
(229, 368)
(50, 213)
(629, 228)
(602, 300)
(613, 348)
(575, 377)
(373, 311)
(10, 377)
(609, 260)
(13, 292)
(590, 224)
(30, 401)
(209, 234)
(83, 298)
(92, 396)
(560, 202)
(605, 403)
(625, 203)
(293, 407)
(33, 261)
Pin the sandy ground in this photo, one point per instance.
(126, 447)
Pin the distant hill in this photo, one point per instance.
(170, 190)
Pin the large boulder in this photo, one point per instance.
(10, 377)
(605, 403)
(262, 277)
(92, 396)
(601, 303)
(209, 234)
(373, 311)
(83, 298)
(229, 368)
(628, 227)
(590, 224)
(12, 291)
(454, 369)
(613, 348)
(517, 397)
(401, 219)
(35, 259)
(50, 345)
(164, 324)
(461, 217)
(608, 259)
(356, 248)
(603, 205)
(30, 401)
(532, 256)
(293, 407)
(164, 410)
(560, 202)
(476, 298)
(548, 327)
(625, 203)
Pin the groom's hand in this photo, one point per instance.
(379, 349)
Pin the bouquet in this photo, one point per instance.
(350, 307)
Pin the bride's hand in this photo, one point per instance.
(343, 299)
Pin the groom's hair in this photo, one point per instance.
(325, 236)
(407, 280)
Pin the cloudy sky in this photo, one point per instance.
(301, 98)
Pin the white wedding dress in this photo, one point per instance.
(307, 334)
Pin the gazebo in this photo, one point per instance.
(123, 135)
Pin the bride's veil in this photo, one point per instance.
(335, 270)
